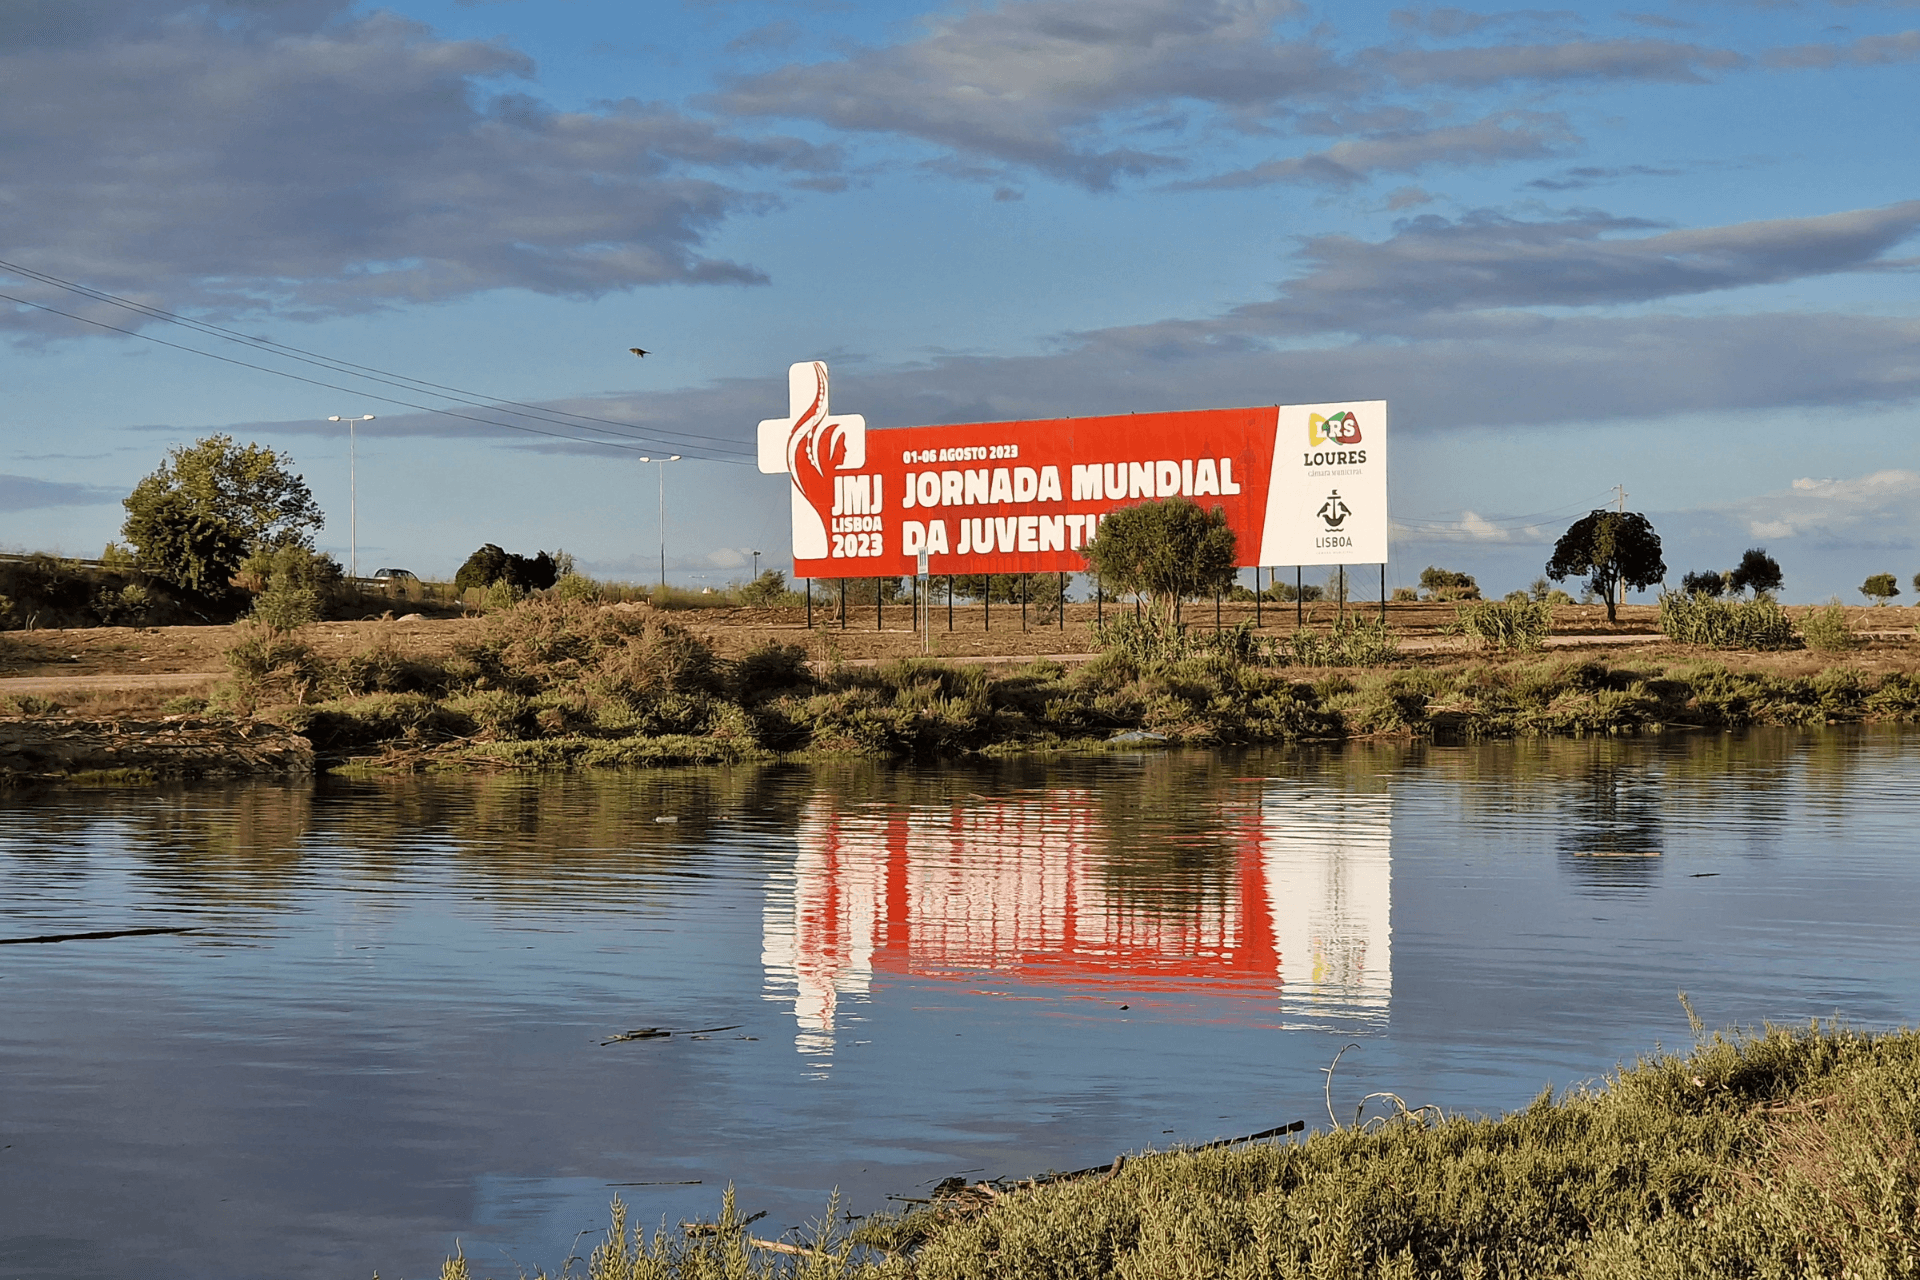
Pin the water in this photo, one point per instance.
(387, 1032)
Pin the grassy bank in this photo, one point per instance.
(560, 684)
(1783, 1154)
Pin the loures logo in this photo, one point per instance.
(811, 444)
(1341, 428)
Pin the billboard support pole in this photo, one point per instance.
(843, 604)
(986, 602)
(1026, 585)
(1299, 597)
(1063, 602)
(809, 582)
(1256, 597)
(1340, 572)
(949, 602)
(1383, 593)
(879, 619)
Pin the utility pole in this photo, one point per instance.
(353, 496)
(1621, 506)
(672, 457)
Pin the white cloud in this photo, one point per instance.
(310, 160)
(1875, 508)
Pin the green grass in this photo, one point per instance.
(1781, 1154)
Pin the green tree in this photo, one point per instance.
(1757, 572)
(1609, 548)
(767, 590)
(1168, 551)
(193, 520)
(1880, 588)
(1710, 583)
(1448, 584)
(490, 564)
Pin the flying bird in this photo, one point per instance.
(639, 351)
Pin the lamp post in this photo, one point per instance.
(353, 497)
(672, 457)
(756, 566)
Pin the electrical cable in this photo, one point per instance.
(333, 386)
(402, 381)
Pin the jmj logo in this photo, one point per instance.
(811, 444)
(1337, 429)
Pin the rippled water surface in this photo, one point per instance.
(386, 1031)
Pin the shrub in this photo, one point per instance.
(1513, 625)
(269, 666)
(1826, 630)
(1725, 624)
(573, 586)
(1150, 641)
(769, 667)
(1404, 594)
(28, 704)
(1355, 642)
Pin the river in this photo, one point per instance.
(386, 1031)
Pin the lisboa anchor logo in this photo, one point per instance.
(1333, 513)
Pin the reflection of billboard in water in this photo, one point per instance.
(1026, 889)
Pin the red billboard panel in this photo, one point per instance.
(1025, 497)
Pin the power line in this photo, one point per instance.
(405, 382)
(334, 386)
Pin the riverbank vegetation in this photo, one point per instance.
(555, 683)
(1784, 1153)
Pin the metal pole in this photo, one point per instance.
(949, 602)
(663, 528)
(1340, 574)
(879, 621)
(353, 509)
(1383, 593)
(986, 601)
(809, 582)
(1256, 596)
(1099, 604)
(1063, 602)
(1026, 581)
(1299, 593)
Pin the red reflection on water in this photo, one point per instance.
(1027, 889)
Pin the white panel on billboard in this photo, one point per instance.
(1327, 497)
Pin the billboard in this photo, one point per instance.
(1298, 484)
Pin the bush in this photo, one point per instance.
(1511, 625)
(1404, 595)
(269, 667)
(770, 667)
(1826, 630)
(1446, 584)
(573, 586)
(1150, 641)
(1356, 642)
(1725, 624)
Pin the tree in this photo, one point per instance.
(1609, 548)
(1708, 582)
(1167, 551)
(490, 564)
(1880, 588)
(1757, 572)
(1447, 584)
(767, 590)
(193, 520)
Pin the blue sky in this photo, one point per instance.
(1670, 247)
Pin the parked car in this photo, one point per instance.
(399, 575)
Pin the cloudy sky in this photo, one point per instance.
(1670, 248)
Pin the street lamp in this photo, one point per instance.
(353, 498)
(756, 566)
(672, 457)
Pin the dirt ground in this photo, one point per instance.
(124, 668)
